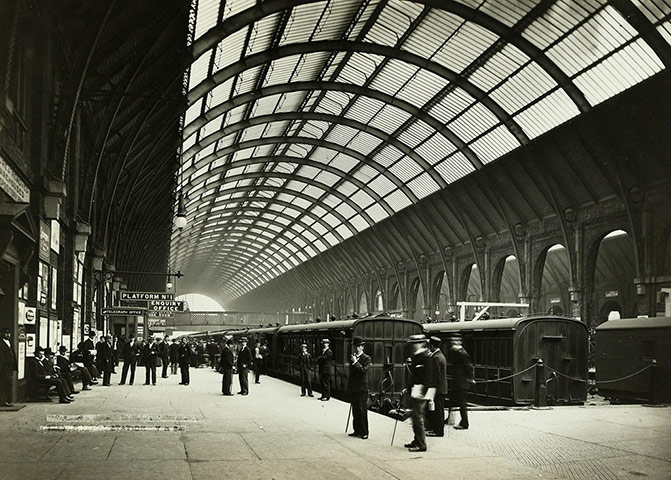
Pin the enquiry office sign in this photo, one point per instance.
(166, 306)
(146, 296)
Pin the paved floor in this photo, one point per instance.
(171, 431)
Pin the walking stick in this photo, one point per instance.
(348, 417)
(393, 434)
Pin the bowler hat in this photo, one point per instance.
(435, 342)
(92, 333)
(243, 339)
(417, 338)
(39, 349)
(356, 341)
(455, 336)
(62, 348)
(48, 351)
(326, 340)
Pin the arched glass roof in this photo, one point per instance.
(310, 121)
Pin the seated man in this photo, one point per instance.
(67, 368)
(39, 372)
(55, 371)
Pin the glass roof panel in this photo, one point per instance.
(206, 16)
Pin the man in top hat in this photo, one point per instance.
(41, 373)
(325, 362)
(88, 349)
(184, 358)
(130, 353)
(8, 365)
(420, 394)
(461, 370)
(305, 367)
(149, 356)
(437, 379)
(357, 385)
(244, 363)
(226, 367)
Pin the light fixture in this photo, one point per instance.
(168, 284)
(180, 218)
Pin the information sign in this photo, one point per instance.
(146, 296)
(127, 312)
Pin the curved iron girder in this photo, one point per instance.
(416, 112)
(300, 140)
(105, 129)
(645, 29)
(76, 81)
(298, 161)
(323, 117)
(270, 55)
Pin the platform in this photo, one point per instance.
(171, 431)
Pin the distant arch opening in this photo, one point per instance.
(378, 302)
(555, 281)
(197, 302)
(614, 273)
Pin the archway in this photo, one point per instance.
(555, 280)
(393, 298)
(378, 304)
(363, 304)
(416, 301)
(474, 286)
(614, 274)
(509, 284)
(443, 302)
(349, 304)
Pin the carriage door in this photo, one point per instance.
(554, 348)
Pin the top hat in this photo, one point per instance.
(421, 338)
(435, 342)
(356, 341)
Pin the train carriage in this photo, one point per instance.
(505, 349)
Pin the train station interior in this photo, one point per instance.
(493, 176)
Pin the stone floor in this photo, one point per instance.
(171, 431)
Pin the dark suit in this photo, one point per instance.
(173, 353)
(437, 378)
(226, 366)
(38, 370)
(105, 358)
(149, 355)
(357, 385)
(184, 357)
(419, 381)
(8, 365)
(130, 353)
(461, 370)
(245, 361)
(163, 354)
(66, 372)
(305, 367)
(325, 362)
(88, 356)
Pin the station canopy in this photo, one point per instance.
(311, 121)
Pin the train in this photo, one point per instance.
(504, 353)
(633, 360)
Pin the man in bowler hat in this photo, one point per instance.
(244, 364)
(437, 379)
(461, 370)
(420, 394)
(325, 362)
(305, 368)
(358, 388)
(8, 365)
(226, 367)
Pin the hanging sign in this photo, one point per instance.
(166, 305)
(146, 296)
(45, 241)
(161, 314)
(127, 312)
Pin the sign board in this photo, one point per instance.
(146, 296)
(45, 241)
(166, 305)
(21, 354)
(161, 314)
(29, 317)
(124, 312)
(612, 293)
(156, 322)
(55, 236)
(22, 313)
(12, 184)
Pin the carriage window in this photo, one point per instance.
(379, 329)
(388, 330)
(387, 354)
(648, 350)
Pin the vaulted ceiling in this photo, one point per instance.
(308, 122)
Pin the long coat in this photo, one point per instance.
(358, 375)
(437, 372)
(226, 362)
(8, 363)
(105, 357)
(325, 362)
(461, 369)
(245, 359)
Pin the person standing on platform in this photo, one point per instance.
(8, 365)
(258, 362)
(173, 353)
(226, 367)
(88, 349)
(212, 352)
(244, 362)
(115, 353)
(419, 392)
(105, 359)
(461, 370)
(149, 356)
(130, 353)
(163, 353)
(358, 388)
(305, 367)
(325, 362)
(184, 358)
(437, 379)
